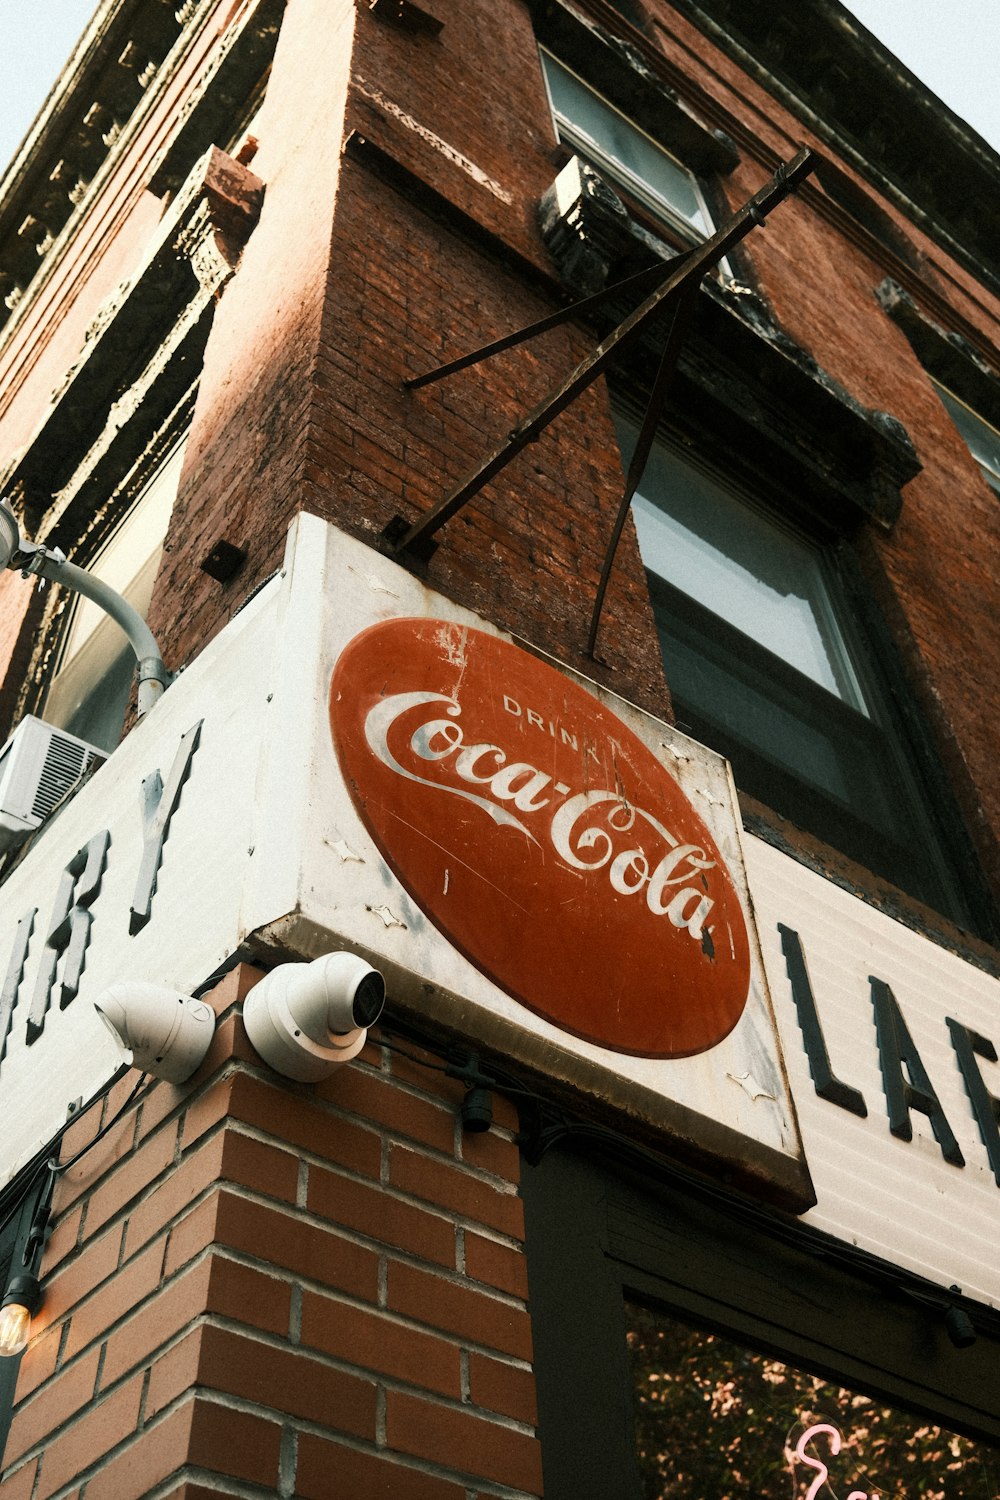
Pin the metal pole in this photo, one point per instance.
(399, 537)
(153, 675)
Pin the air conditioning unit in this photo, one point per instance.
(38, 765)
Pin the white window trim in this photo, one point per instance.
(989, 471)
(571, 135)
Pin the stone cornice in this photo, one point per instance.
(120, 68)
(143, 348)
(945, 354)
(857, 97)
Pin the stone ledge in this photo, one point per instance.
(145, 338)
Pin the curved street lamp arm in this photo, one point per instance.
(51, 564)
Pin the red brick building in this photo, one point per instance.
(672, 1164)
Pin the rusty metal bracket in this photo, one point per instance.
(671, 286)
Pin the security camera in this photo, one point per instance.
(167, 1033)
(305, 1020)
(10, 533)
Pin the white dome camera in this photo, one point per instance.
(10, 534)
(305, 1020)
(167, 1033)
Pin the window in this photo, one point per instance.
(89, 690)
(18, 1208)
(8, 1367)
(117, 413)
(686, 1342)
(981, 439)
(625, 154)
(716, 1417)
(767, 664)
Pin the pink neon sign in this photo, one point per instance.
(823, 1473)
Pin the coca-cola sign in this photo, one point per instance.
(540, 834)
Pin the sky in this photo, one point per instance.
(36, 38)
(952, 45)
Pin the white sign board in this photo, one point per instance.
(138, 877)
(265, 847)
(885, 1036)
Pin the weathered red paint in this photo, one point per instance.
(541, 836)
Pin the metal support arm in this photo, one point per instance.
(671, 285)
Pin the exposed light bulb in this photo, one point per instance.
(15, 1328)
(20, 1301)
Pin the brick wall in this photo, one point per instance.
(346, 287)
(258, 1287)
(354, 281)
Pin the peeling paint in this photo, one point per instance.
(434, 141)
(707, 797)
(750, 1086)
(673, 750)
(388, 917)
(378, 587)
(344, 850)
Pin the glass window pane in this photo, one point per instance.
(715, 1419)
(600, 131)
(982, 440)
(751, 714)
(753, 573)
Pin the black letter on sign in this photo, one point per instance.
(70, 931)
(895, 1047)
(985, 1106)
(158, 804)
(15, 973)
(826, 1084)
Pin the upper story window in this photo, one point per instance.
(90, 687)
(981, 439)
(767, 663)
(590, 125)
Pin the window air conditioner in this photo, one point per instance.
(38, 765)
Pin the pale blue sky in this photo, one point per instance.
(953, 45)
(36, 38)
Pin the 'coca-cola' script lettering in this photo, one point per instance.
(591, 830)
(550, 845)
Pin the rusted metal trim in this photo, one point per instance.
(677, 282)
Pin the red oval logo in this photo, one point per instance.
(541, 836)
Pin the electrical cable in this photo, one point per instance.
(20, 1185)
(61, 1166)
(802, 1237)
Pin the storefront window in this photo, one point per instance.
(714, 1418)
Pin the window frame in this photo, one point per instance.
(950, 888)
(602, 1231)
(14, 1233)
(62, 613)
(82, 537)
(114, 415)
(654, 208)
(968, 416)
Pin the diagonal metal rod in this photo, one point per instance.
(641, 281)
(678, 279)
(680, 322)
